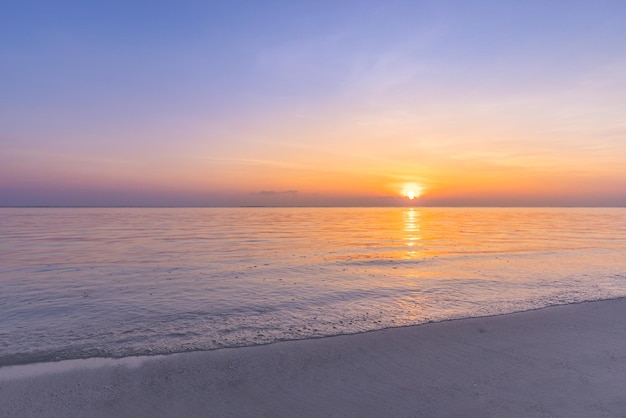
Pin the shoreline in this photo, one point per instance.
(54, 365)
(564, 360)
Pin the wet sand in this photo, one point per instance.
(564, 361)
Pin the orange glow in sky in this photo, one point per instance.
(318, 103)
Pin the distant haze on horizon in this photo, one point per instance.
(302, 103)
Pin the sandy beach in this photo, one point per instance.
(564, 361)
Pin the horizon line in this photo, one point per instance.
(292, 206)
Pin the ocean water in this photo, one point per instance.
(115, 282)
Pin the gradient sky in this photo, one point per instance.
(312, 102)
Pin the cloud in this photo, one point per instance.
(274, 192)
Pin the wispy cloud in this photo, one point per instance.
(275, 192)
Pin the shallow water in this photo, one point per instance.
(78, 283)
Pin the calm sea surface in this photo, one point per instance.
(78, 283)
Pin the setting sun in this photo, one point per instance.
(412, 190)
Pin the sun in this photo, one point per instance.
(412, 190)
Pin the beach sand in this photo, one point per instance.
(564, 361)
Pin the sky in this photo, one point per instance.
(322, 103)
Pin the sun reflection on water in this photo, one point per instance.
(412, 233)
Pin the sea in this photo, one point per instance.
(115, 282)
